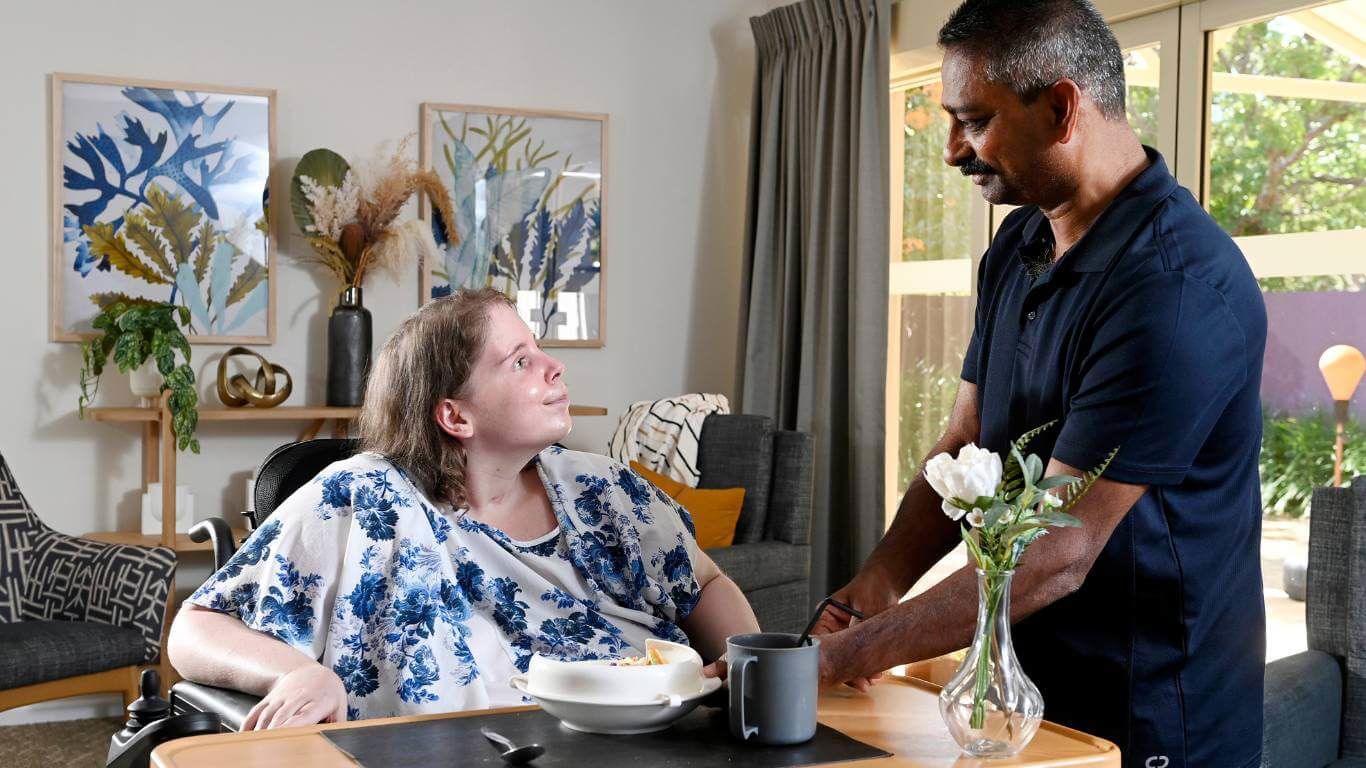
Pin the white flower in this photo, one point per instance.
(331, 207)
(975, 473)
(976, 518)
(955, 514)
(1051, 501)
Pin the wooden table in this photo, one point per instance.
(900, 715)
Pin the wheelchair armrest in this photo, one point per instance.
(230, 706)
(215, 529)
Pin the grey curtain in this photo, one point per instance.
(814, 312)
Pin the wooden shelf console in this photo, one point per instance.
(159, 452)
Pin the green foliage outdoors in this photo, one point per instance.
(1297, 457)
(927, 395)
(132, 330)
(936, 198)
(1280, 165)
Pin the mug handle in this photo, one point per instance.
(739, 672)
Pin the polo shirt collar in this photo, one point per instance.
(1115, 225)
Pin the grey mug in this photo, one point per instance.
(773, 687)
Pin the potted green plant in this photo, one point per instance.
(136, 331)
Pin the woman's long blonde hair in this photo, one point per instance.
(428, 359)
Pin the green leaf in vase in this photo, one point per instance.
(323, 166)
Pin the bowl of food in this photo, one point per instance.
(619, 696)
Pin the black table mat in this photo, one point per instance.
(699, 740)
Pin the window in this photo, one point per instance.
(941, 222)
(1142, 78)
(1285, 174)
(1286, 164)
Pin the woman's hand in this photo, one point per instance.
(311, 693)
(715, 669)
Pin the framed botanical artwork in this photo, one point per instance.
(528, 190)
(160, 192)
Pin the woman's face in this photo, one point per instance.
(516, 396)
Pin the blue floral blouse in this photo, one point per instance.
(419, 608)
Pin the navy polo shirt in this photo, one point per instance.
(1148, 335)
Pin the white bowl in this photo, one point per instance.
(602, 682)
(619, 719)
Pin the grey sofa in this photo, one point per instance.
(771, 557)
(1315, 703)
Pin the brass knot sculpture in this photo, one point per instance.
(235, 392)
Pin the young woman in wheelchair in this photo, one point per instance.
(421, 574)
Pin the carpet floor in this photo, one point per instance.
(76, 743)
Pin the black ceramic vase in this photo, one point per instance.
(348, 350)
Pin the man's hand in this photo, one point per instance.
(835, 664)
(309, 694)
(870, 593)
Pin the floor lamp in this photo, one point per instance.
(1342, 367)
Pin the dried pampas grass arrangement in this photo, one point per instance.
(349, 213)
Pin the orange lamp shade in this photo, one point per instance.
(1342, 366)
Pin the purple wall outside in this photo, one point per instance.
(1300, 326)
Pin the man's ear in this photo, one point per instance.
(1063, 99)
(453, 420)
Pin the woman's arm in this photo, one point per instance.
(217, 649)
(721, 610)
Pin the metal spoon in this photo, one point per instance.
(512, 754)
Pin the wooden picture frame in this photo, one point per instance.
(200, 147)
(571, 200)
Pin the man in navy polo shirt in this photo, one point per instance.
(1111, 302)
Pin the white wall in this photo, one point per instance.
(675, 78)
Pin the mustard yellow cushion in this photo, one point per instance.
(715, 511)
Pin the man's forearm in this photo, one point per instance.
(943, 618)
(920, 535)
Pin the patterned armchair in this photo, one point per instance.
(76, 616)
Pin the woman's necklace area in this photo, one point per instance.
(530, 519)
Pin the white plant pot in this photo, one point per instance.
(145, 380)
(151, 509)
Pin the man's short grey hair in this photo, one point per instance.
(1028, 45)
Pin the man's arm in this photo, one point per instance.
(943, 618)
(920, 534)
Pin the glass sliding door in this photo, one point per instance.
(1281, 145)
(939, 232)
(1150, 75)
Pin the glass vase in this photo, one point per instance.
(991, 707)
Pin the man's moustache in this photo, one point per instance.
(975, 167)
